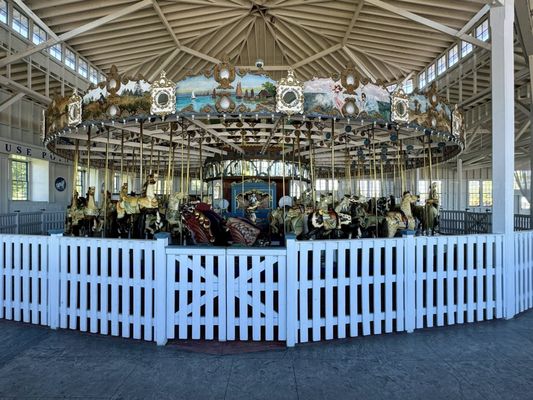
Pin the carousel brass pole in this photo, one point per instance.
(375, 178)
(333, 160)
(106, 177)
(88, 176)
(141, 160)
(121, 159)
(201, 169)
(152, 156)
(312, 162)
(158, 161)
(170, 151)
(242, 171)
(401, 159)
(133, 170)
(430, 156)
(300, 172)
(283, 166)
(75, 167)
(188, 163)
(182, 170)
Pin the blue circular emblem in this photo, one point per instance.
(60, 184)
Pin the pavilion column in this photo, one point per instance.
(503, 138)
(460, 186)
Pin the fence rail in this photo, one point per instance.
(454, 222)
(32, 223)
(308, 291)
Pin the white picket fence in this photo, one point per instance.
(32, 223)
(524, 270)
(308, 291)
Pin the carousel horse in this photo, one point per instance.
(324, 223)
(92, 221)
(75, 215)
(204, 225)
(290, 220)
(403, 219)
(174, 215)
(428, 214)
(353, 216)
(243, 231)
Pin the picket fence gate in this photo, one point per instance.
(307, 291)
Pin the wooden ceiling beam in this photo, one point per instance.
(84, 28)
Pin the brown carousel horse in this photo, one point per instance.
(403, 219)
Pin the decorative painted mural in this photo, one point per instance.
(248, 93)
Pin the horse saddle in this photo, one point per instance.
(242, 231)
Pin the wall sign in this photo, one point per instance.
(29, 151)
(60, 184)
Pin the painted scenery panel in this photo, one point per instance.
(326, 96)
(200, 93)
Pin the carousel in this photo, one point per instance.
(232, 157)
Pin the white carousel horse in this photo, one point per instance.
(403, 219)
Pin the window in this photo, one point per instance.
(422, 80)
(326, 184)
(196, 187)
(19, 180)
(466, 48)
(423, 190)
(83, 68)
(453, 56)
(3, 11)
(93, 75)
(431, 73)
(408, 86)
(55, 51)
(482, 31)
(473, 193)
(80, 182)
(116, 183)
(70, 59)
(391, 88)
(487, 193)
(20, 23)
(441, 65)
(39, 35)
(370, 188)
(524, 203)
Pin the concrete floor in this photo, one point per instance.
(489, 360)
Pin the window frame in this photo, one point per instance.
(37, 28)
(431, 73)
(466, 45)
(486, 194)
(53, 52)
(482, 31)
(474, 193)
(14, 21)
(441, 62)
(422, 81)
(81, 61)
(453, 60)
(25, 183)
(6, 21)
(70, 59)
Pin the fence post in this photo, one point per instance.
(54, 262)
(43, 232)
(17, 222)
(292, 290)
(409, 284)
(161, 289)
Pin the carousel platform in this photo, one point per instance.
(484, 360)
